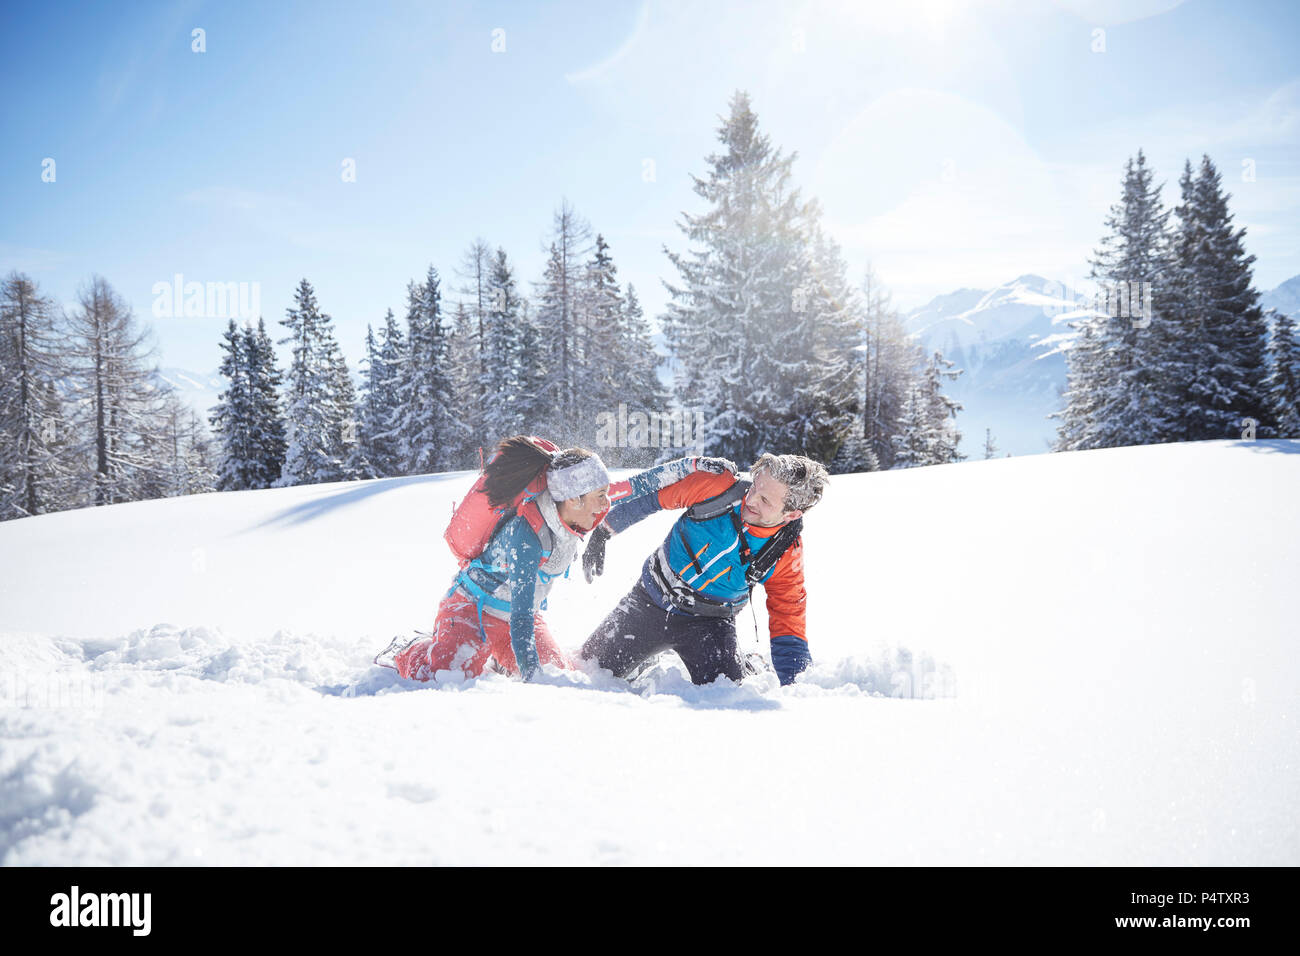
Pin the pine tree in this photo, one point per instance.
(601, 380)
(361, 464)
(559, 321)
(502, 344)
(854, 455)
(476, 292)
(1176, 298)
(62, 479)
(941, 411)
(200, 462)
(927, 432)
(887, 358)
(638, 368)
(377, 451)
(320, 397)
(1282, 387)
(186, 452)
(378, 437)
(1217, 376)
(1118, 392)
(464, 430)
(552, 332)
(1083, 392)
(911, 445)
(990, 447)
(732, 313)
(267, 443)
(640, 360)
(429, 435)
(536, 412)
(818, 371)
(617, 371)
(343, 433)
(1134, 399)
(232, 418)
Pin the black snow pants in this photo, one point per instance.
(637, 629)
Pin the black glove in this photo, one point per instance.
(718, 466)
(593, 559)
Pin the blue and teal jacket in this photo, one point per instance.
(705, 556)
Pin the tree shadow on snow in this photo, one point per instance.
(308, 510)
(1272, 446)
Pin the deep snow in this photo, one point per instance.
(1104, 671)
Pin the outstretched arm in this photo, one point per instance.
(675, 484)
(525, 551)
(787, 611)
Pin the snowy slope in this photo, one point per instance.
(188, 681)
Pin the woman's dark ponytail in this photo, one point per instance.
(516, 461)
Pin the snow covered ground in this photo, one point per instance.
(188, 681)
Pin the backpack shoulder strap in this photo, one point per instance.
(776, 546)
(756, 567)
(527, 510)
(720, 503)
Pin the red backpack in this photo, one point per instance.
(475, 519)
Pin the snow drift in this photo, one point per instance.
(1086, 658)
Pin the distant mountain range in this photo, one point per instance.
(1010, 343)
(1285, 298)
(198, 390)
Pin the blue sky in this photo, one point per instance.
(949, 144)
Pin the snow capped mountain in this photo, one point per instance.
(199, 391)
(949, 309)
(1285, 298)
(1010, 344)
(1025, 306)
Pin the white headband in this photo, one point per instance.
(574, 481)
